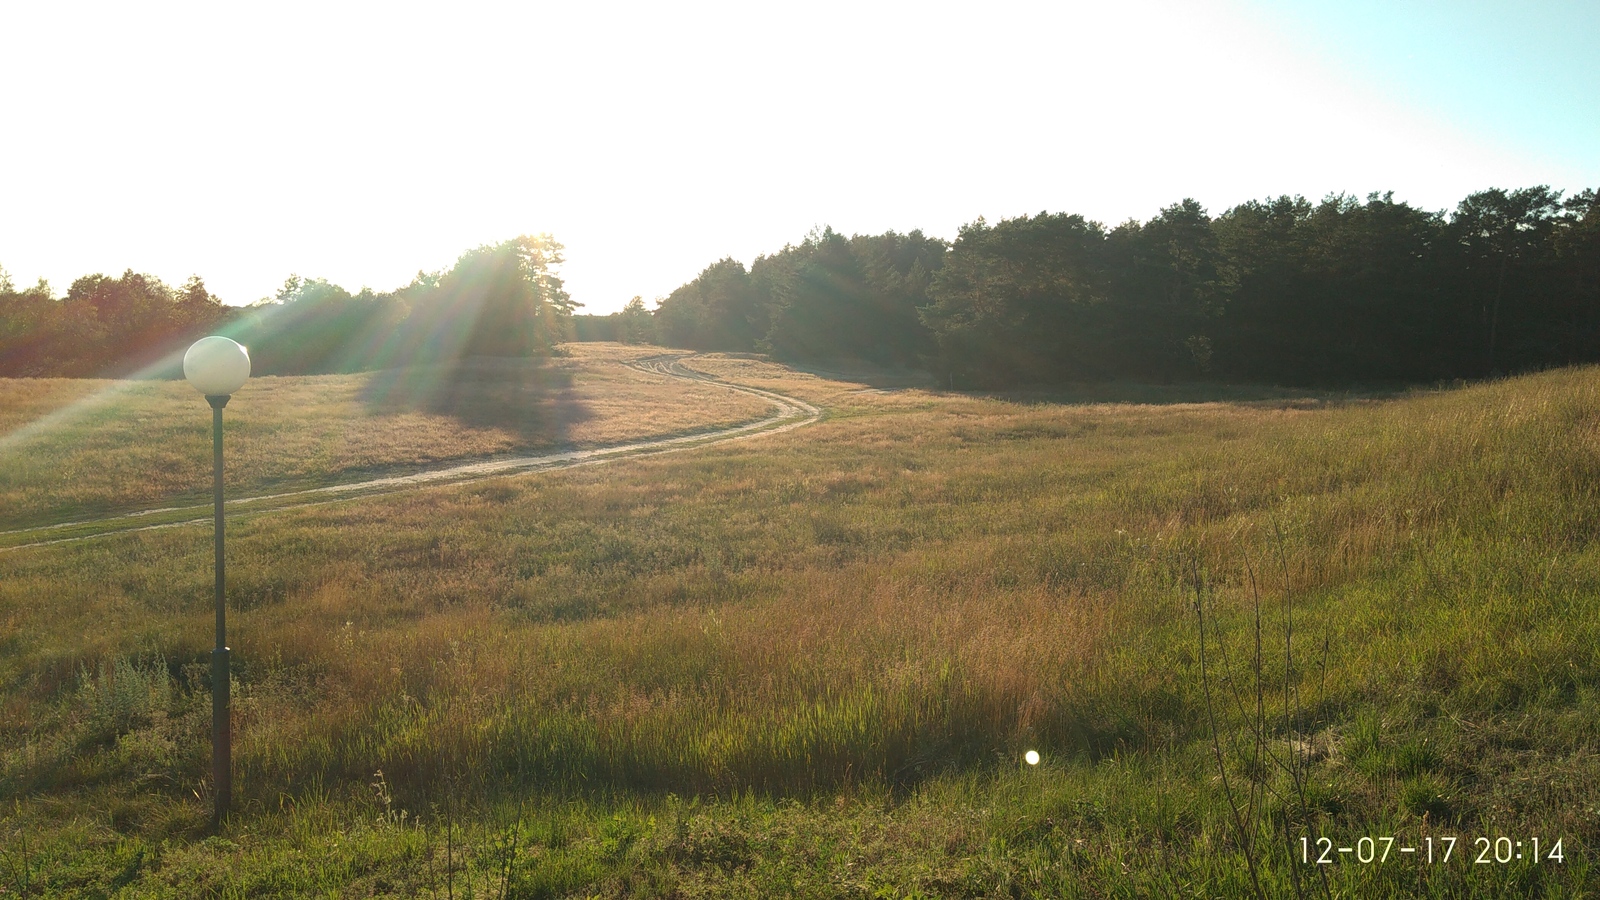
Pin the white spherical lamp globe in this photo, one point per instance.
(1032, 757)
(216, 365)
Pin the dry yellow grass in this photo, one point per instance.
(72, 446)
(818, 588)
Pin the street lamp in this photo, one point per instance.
(217, 367)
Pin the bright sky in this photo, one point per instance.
(363, 142)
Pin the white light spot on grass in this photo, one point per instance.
(1032, 756)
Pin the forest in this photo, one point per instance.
(1281, 290)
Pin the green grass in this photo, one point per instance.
(809, 664)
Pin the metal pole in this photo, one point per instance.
(221, 728)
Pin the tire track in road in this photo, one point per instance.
(788, 413)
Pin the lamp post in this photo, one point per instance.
(217, 367)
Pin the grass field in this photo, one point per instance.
(71, 448)
(809, 664)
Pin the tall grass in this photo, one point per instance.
(875, 616)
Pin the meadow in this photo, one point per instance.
(77, 448)
(809, 664)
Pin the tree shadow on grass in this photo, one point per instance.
(531, 398)
(889, 379)
(869, 374)
(1267, 396)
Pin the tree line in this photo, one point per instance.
(497, 300)
(1280, 290)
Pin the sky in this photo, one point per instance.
(363, 143)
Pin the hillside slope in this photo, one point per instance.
(810, 664)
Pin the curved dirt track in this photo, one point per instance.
(787, 413)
